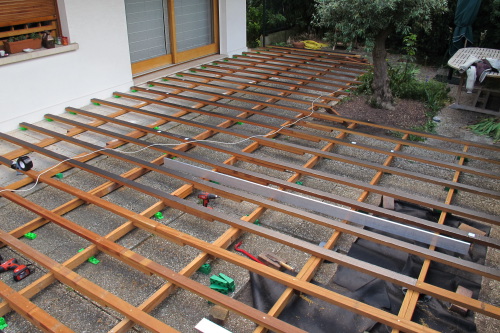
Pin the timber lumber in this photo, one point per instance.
(192, 209)
(278, 94)
(31, 312)
(295, 133)
(284, 166)
(81, 284)
(239, 196)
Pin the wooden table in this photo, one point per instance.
(483, 95)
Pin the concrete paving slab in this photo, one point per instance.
(13, 216)
(120, 279)
(199, 228)
(165, 253)
(95, 219)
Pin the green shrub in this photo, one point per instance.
(405, 85)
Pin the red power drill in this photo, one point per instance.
(20, 271)
(206, 197)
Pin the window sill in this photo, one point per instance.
(24, 56)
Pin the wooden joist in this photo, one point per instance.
(285, 75)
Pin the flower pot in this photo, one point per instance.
(20, 45)
(299, 45)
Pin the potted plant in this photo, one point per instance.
(19, 43)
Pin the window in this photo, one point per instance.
(23, 17)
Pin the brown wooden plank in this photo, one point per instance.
(83, 285)
(93, 291)
(287, 166)
(238, 196)
(31, 312)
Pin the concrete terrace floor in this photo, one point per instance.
(182, 310)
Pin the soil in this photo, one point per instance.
(407, 113)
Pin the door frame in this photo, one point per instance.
(175, 57)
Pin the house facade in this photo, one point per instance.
(109, 42)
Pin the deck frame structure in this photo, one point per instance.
(287, 90)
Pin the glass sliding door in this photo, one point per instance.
(146, 24)
(193, 24)
(163, 32)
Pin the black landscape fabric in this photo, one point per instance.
(315, 315)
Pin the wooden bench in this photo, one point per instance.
(483, 95)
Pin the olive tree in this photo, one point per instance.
(374, 21)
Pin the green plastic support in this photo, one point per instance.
(239, 123)
(192, 71)
(173, 157)
(179, 75)
(347, 90)
(213, 181)
(215, 280)
(164, 79)
(3, 323)
(156, 128)
(205, 269)
(159, 215)
(299, 183)
(133, 90)
(257, 222)
(215, 63)
(230, 282)
(23, 128)
(30, 235)
(447, 189)
(465, 159)
(95, 103)
(116, 96)
(59, 175)
(48, 119)
(226, 60)
(203, 67)
(151, 85)
(71, 112)
(222, 290)
(93, 260)
(235, 57)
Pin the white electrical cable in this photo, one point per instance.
(167, 144)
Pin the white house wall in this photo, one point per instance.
(232, 26)
(101, 65)
(32, 88)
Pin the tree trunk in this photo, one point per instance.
(382, 95)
